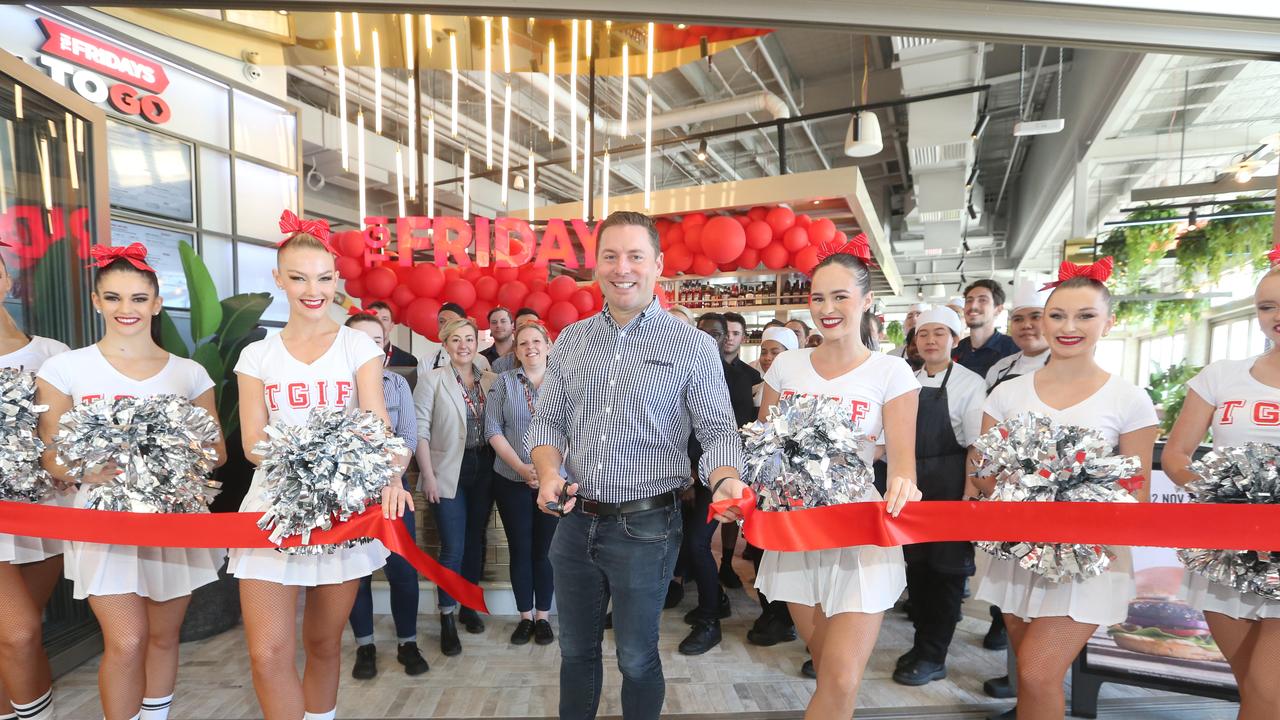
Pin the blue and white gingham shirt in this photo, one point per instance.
(399, 400)
(620, 404)
(507, 414)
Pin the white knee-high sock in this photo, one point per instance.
(320, 716)
(156, 708)
(39, 709)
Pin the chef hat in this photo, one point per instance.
(782, 336)
(941, 316)
(956, 302)
(918, 307)
(1027, 293)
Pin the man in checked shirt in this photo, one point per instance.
(622, 393)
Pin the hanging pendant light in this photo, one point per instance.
(342, 91)
(399, 182)
(531, 186)
(453, 75)
(488, 93)
(355, 32)
(573, 99)
(506, 108)
(431, 165)
(586, 167)
(604, 187)
(551, 90)
(466, 184)
(360, 165)
(648, 123)
(427, 33)
(377, 83)
(409, 39)
(626, 88)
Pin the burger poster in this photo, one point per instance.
(1163, 636)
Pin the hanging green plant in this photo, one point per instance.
(1136, 247)
(894, 334)
(1132, 313)
(1224, 244)
(1174, 315)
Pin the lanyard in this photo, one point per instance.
(466, 396)
(528, 392)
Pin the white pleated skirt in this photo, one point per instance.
(863, 579)
(1102, 600)
(272, 565)
(20, 550)
(1208, 596)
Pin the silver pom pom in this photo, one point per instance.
(163, 446)
(805, 455)
(22, 478)
(1034, 460)
(1245, 474)
(325, 471)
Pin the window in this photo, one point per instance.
(1110, 356)
(1160, 353)
(1236, 339)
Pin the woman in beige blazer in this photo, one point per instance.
(456, 466)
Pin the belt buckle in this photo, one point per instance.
(587, 506)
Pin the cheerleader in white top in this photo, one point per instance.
(313, 362)
(29, 567)
(139, 594)
(1050, 622)
(838, 597)
(1240, 399)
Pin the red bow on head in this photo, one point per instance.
(135, 253)
(291, 224)
(353, 310)
(1273, 256)
(1099, 270)
(856, 246)
(4, 244)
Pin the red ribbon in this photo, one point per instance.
(1189, 525)
(291, 225)
(223, 530)
(135, 253)
(1273, 256)
(1099, 270)
(353, 310)
(856, 246)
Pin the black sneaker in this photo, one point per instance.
(408, 655)
(542, 632)
(997, 638)
(523, 632)
(704, 636)
(723, 611)
(366, 666)
(675, 593)
(808, 670)
(728, 577)
(999, 688)
(920, 672)
(471, 620)
(906, 659)
(450, 645)
(770, 629)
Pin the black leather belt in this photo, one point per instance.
(602, 509)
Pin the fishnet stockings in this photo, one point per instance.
(24, 591)
(140, 650)
(1045, 648)
(1252, 647)
(269, 611)
(840, 646)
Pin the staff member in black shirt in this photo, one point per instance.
(396, 357)
(983, 301)
(736, 374)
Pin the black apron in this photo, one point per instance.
(1007, 375)
(940, 473)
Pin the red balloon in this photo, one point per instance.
(723, 239)
(821, 231)
(537, 283)
(506, 274)
(674, 236)
(460, 291)
(426, 280)
(663, 226)
(758, 213)
(538, 302)
(749, 259)
(694, 219)
(381, 281)
(512, 294)
(349, 267)
(804, 221)
(840, 238)
(676, 259)
(775, 256)
(805, 259)
(486, 288)
(420, 316)
(584, 301)
(480, 311)
(664, 297)
(350, 243)
(728, 266)
(597, 298)
(759, 234)
(795, 238)
(693, 237)
(473, 273)
(743, 220)
(392, 305)
(354, 287)
(561, 314)
(780, 219)
(562, 288)
(402, 296)
(702, 265)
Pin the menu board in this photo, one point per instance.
(162, 254)
(150, 173)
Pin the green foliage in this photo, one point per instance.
(1136, 247)
(894, 334)
(220, 329)
(1204, 254)
(1174, 315)
(1168, 390)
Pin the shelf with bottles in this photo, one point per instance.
(757, 291)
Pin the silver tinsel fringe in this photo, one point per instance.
(162, 444)
(325, 471)
(1245, 474)
(805, 455)
(1035, 461)
(21, 476)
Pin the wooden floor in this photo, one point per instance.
(492, 679)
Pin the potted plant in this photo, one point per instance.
(220, 330)
(1168, 389)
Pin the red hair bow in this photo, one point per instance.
(291, 225)
(1099, 270)
(135, 253)
(856, 246)
(353, 310)
(1273, 256)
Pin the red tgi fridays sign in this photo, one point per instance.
(102, 72)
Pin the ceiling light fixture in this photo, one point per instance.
(506, 108)
(604, 186)
(431, 165)
(413, 107)
(551, 90)
(427, 34)
(531, 186)
(586, 167)
(488, 93)
(377, 83)
(342, 92)
(648, 122)
(355, 32)
(453, 76)
(626, 88)
(466, 184)
(702, 150)
(399, 182)
(360, 165)
(573, 99)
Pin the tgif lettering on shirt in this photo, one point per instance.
(300, 395)
(858, 408)
(1262, 412)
